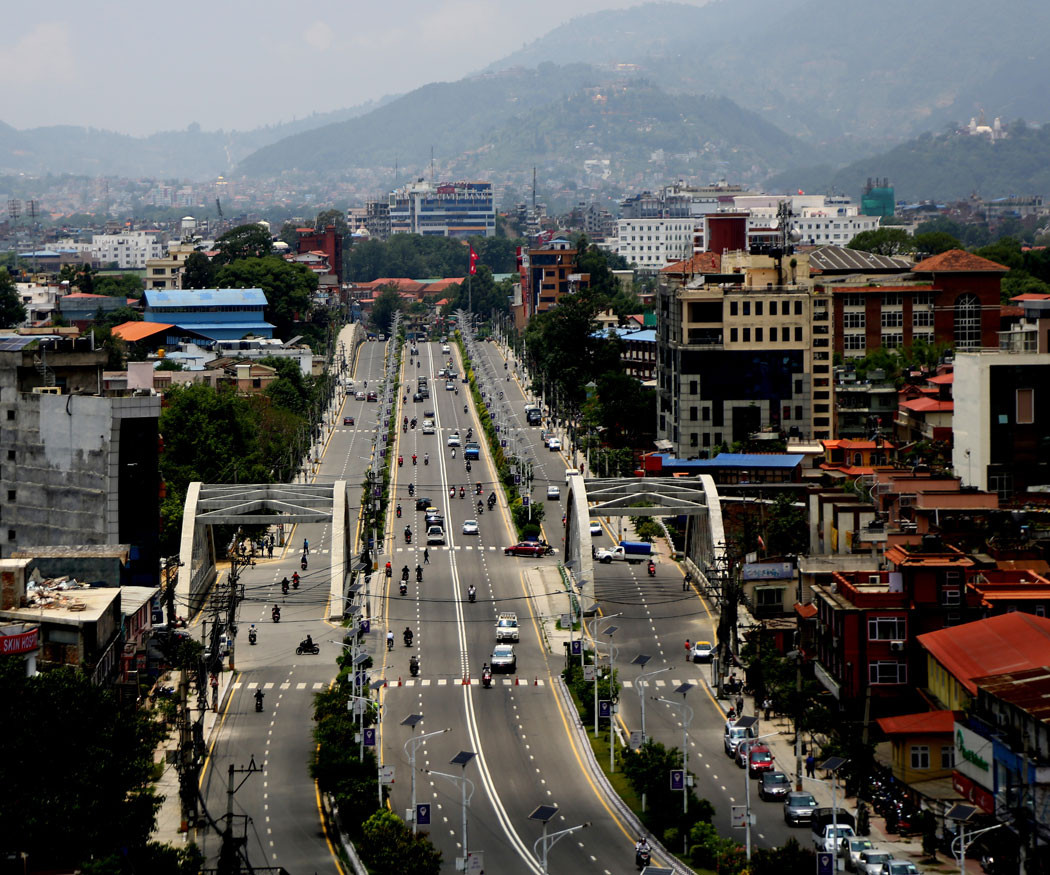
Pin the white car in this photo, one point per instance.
(359, 396)
(596, 528)
(554, 444)
(428, 426)
(453, 439)
(854, 848)
(445, 349)
(553, 493)
(470, 527)
(435, 535)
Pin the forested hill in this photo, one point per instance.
(943, 167)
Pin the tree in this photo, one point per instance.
(292, 390)
(332, 217)
(884, 241)
(287, 287)
(789, 859)
(94, 800)
(386, 304)
(125, 285)
(388, 845)
(646, 769)
(244, 241)
(12, 310)
(935, 242)
(787, 530)
(198, 272)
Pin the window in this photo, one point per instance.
(693, 387)
(892, 318)
(692, 414)
(705, 414)
(798, 411)
(733, 335)
(758, 308)
(950, 595)
(707, 439)
(758, 335)
(10, 534)
(854, 319)
(747, 308)
(948, 756)
(887, 628)
(732, 308)
(1025, 406)
(769, 597)
(923, 299)
(11, 493)
(798, 308)
(10, 415)
(798, 333)
(693, 438)
(892, 299)
(885, 672)
(747, 335)
(853, 341)
(10, 455)
(787, 411)
(920, 756)
(967, 322)
(772, 308)
(921, 318)
(893, 341)
(773, 335)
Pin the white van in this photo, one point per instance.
(507, 626)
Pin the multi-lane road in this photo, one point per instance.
(527, 752)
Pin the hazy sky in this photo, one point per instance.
(142, 67)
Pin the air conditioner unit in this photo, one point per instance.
(47, 390)
(874, 578)
(897, 646)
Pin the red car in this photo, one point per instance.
(759, 760)
(372, 396)
(528, 548)
(348, 420)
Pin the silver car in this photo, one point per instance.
(503, 659)
(798, 807)
(854, 848)
(899, 867)
(871, 862)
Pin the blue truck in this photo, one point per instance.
(626, 551)
(472, 451)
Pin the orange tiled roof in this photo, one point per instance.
(994, 645)
(131, 332)
(847, 444)
(958, 261)
(442, 285)
(701, 262)
(926, 723)
(928, 405)
(941, 379)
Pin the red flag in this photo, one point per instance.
(473, 261)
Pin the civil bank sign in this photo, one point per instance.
(973, 756)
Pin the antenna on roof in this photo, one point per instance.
(431, 163)
(534, 188)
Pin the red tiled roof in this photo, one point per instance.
(847, 444)
(995, 645)
(926, 723)
(941, 379)
(958, 261)
(806, 612)
(134, 331)
(701, 262)
(83, 295)
(442, 285)
(928, 405)
(1031, 296)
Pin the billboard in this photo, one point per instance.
(768, 571)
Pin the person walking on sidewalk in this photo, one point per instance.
(811, 766)
(740, 706)
(767, 706)
(426, 556)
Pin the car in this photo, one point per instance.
(428, 426)
(526, 548)
(854, 848)
(703, 651)
(372, 397)
(470, 527)
(871, 862)
(417, 397)
(450, 386)
(798, 807)
(545, 436)
(453, 439)
(359, 396)
(773, 785)
(735, 734)
(434, 517)
(596, 528)
(894, 866)
(759, 760)
(348, 420)
(742, 751)
(422, 503)
(429, 412)
(435, 535)
(503, 658)
(445, 349)
(554, 444)
(553, 493)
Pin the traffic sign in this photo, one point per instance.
(637, 739)
(524, 501)
(423, 813)
(737, 816)
(588, 673)
(370, 737)
(825, 864)
(577, 647)
(604, 709)
(386, 774)
(565, 621)
(677, 779)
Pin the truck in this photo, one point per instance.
(826, 823)
(507, 626)
(533, 414)
(626, 551)
(472, 451)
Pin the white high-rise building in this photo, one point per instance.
(129, 250)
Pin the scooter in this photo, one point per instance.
(462, 492)
(258, 700)
(398, 511)
(403, 588)
(275, 615)
(413, 458)
(284, 586)
(419, 574)
(413, 666)
(408, 637)
(390, 643)
(642, 856)
(472, 595)
(652, 570)
(408, 536)
(464, 408)
(295, 581)
(252, 637)
(400, 461)
(486, 679)
(411, 489)
(426, 460)
(303, 647)
(303, 564)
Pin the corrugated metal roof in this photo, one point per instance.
(996, 645)
(736, 460)
(15, 342)
(1028, 690)
(839, 258)
(156, 298)
(925, 723)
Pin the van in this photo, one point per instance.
(507, 626)
(570, 472)
(737, 731)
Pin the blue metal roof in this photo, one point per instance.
(646, 335)
(743, 460)
(205, 298)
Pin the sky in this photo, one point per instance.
(139, 67)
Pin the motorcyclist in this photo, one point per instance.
(413, 664)
(652, 568)
(426, 458)
(464, 408)
(258, 700)
(419, 573)
(452, 492)
(413, 458)
(481, 505)
(404, 573)
(468, 466)
(398, 511)
(462, 492)
(389, 570)
(284, 586)
(275, 614)
(472, 593)
(302, 564)
(308, 643)
(407, 635)
(390, 639)
(411, 489)
(408, 533)
(295, 580)
(453, 452)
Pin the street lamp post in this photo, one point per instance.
(414, 742)
(462, 759)
(544, 814)
(641, 660)
(687, 718)
(594, 639)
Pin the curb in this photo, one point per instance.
(611, 796)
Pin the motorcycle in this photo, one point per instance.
(390, 641)
(403, 588)
(389, 571)
(258, 700)
(642, 856)
(472, 595)
(397, 510)
(411, 489)
(313, 647)
(408, 535)
(303, 564)
(400, 461)
(464, 408)
(413, 666)
(252, 637)
(477, 489)
(295, 581)
(426, 460)
(275, 615)
(486, 679)
(404, 428)
(413, 458)
(652, 570)
(284, 586)
(462, 492)
(492, 502)
(408, 637)
(419, 574)
(468, 466)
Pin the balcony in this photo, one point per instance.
(820, 316)
(708, 338)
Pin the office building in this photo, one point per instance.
(451, 209)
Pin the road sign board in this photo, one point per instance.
(423, 813)
(577, 647)
(604, 708)
(677, 779)
(524, 501)
(386, 774)
(737, 816)
(637, 739)
(370, 737)
(825, 864)
(475, 863)
(565, 621)
(588, 673)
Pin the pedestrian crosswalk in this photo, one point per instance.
(672, 683)
(397, 682)
(480, 548)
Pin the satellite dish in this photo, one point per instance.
(795, 235)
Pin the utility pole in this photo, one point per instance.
(229, 854)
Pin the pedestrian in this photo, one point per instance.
(306, 546)
(811, 767)
(426, 556)
(688, 579)
(269, 550)
(767, 706)
(688, 648)
(740, 705)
